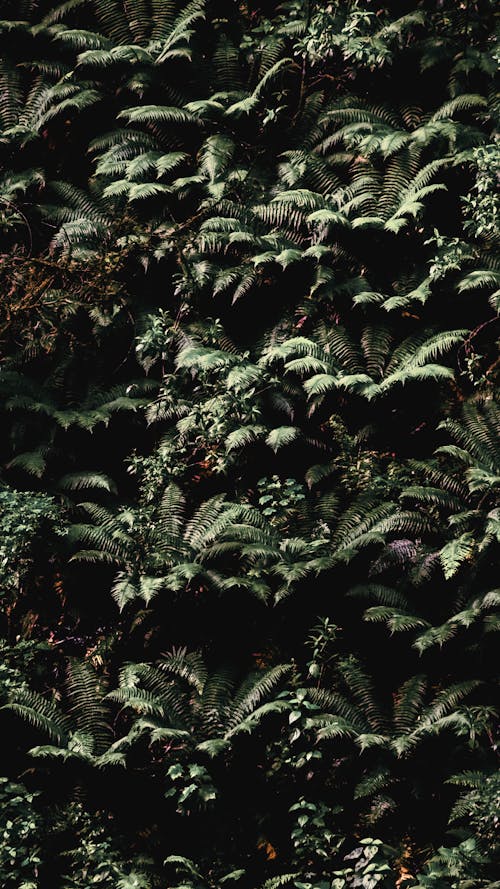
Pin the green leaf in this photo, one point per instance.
(282, 436)
(455, 553)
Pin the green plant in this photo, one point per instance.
(97, 857)
(249, 317)
(372, 866)
(21, 833)
(477, 808)
(314, 840)
(83, 732)
(192, 787)
(158, 547)
(26, 520)
(192, 878)
(179, 700)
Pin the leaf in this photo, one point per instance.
(479, 278)
(153, 114)
(282, 436)
(124, 590)
(288, 256)
(455, 553)
(244, 436)
(77, 481)
(330, 217)
(142, 190)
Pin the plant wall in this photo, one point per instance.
(250, 523)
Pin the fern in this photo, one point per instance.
(179, 693)
(455, 553)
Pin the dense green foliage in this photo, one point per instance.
(250, 511)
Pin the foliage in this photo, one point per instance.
(21, 832)
(478, 807)
(371, 866)
(250, 471)
(28, 520)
